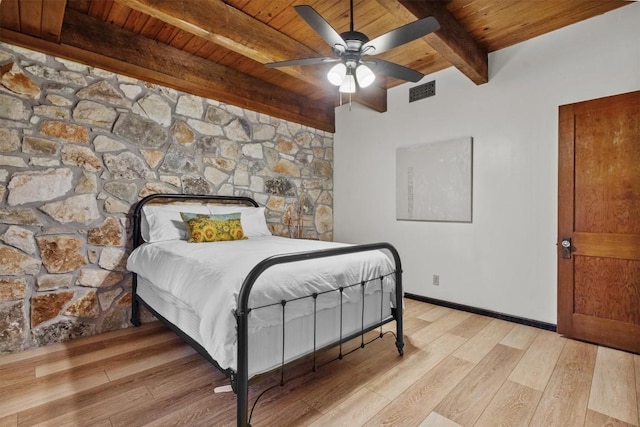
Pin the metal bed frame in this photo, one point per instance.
(240, 378)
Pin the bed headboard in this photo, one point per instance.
(205, 199)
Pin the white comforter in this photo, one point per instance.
(207, 277)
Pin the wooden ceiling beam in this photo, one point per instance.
(52, 15)
(232, 29)
(10, 14)
(451, 41)
(373, 97)
(97, 43)
(239, 32)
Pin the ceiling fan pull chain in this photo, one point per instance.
(341, 93)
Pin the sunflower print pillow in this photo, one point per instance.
(212, 228)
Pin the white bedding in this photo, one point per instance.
(206, 278)
(303, 334)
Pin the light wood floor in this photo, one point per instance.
(458, 369)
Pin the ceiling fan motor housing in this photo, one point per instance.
(352, 55)
(354, 40)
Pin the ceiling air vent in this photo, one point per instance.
(423, 91)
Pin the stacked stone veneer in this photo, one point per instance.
(80, 146)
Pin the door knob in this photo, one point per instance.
(566, 248)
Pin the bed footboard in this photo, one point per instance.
(240, 381)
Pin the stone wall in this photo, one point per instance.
(79, 146)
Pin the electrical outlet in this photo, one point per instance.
(436, 280)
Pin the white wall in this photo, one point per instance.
(505, 260)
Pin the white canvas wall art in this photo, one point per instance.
(434, 181)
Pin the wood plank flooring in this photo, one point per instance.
(459, 369)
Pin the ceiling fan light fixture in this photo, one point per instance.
(364, 75)
(337, 73)
(348, 85)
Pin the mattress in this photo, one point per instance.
(201, 282)
(265, 344)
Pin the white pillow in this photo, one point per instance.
(253, 221)
(163, 222)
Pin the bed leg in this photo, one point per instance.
(243, 406)
(135, 311)
(399, 307)
(135, 304)
(242, 373)
(399, 336)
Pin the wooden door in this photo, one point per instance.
(599, 211)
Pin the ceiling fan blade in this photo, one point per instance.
(322, 27)
(394, 70)
(304, 61)
(401, 35)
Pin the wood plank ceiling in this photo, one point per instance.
(217, 49)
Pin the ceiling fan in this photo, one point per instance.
(352, 48)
